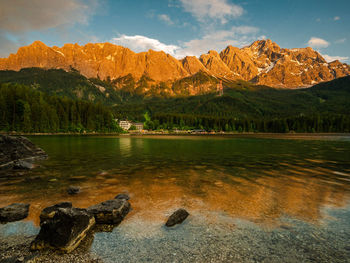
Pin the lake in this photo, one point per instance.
(254, 198)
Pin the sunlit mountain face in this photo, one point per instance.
(263, 62)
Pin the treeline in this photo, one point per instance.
(25, 109)
(316, 123)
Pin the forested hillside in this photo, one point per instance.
(56, 100)
(25, 109)
(70, 84)
(245, 107)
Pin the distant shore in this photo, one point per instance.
(179, 133)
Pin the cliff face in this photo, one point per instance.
(263, 62)
(100, 60)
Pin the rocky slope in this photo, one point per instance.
(263, 62)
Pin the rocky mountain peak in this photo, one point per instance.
(264, 45)
(262, 62)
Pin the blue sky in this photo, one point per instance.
(179, 27)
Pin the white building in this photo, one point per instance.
(125, 125)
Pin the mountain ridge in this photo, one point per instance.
(263, 63)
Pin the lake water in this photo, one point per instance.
(271, 198)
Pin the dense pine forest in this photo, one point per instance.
(37, 100)
(247, 108)
(25, 109)
(316, 123)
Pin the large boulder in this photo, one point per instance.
(65, 230)
(177, 217)
(18, 152)
(110, 211)
(49, 212)
(14, 212)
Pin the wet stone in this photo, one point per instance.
(65, 230)
(177, 217)
(122, 196)
(110, 211)
(14, 212)
(72, 190)
(49, 212)
(23, 165)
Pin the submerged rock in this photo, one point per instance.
(65, 230)
(23, 165)
(18, 152)
(49, 212)
(177, 217)
(122, 196)
(14, 212)
(72, 190)
(110, 211)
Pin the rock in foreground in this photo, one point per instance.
(49, 212)
(177, 217)
(18, 152)
(14, 212)
(65, 230)
(110, 211)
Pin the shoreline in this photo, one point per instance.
(177, 134)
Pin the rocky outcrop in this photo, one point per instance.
(110, 211)
(177, 217)
(262, 62)
(193, 65)
(239, 62)
(65, 230)
(18, 152)
(215, 65)
(14, 212)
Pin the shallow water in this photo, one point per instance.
(268, 198)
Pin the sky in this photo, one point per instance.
(178, 27)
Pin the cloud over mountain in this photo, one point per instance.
(316, 42)
(139, 43)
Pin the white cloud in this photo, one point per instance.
(165, 18)
(218, 40)
(336, 18)
(316, 42)
(19, 16)
(220, 10)
(139, 43)
(340, 41)
(332, 58)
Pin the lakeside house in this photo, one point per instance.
(125, 125)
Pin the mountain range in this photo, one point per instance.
(155, 72)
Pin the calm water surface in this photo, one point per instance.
(251, 199)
